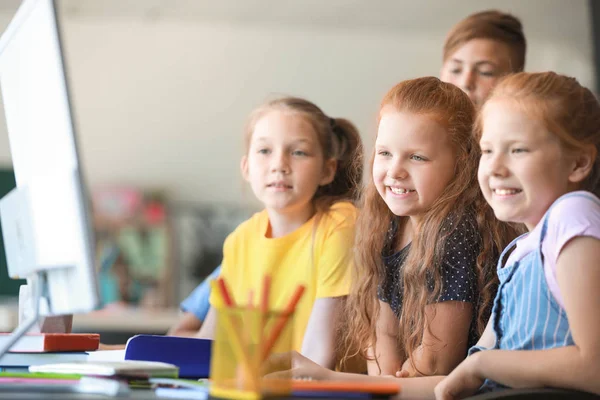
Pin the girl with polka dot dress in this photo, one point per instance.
(426, 247)
(427, 241)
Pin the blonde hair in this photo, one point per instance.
(339, 139)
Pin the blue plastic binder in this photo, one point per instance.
(191, 355)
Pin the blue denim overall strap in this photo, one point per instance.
(525, 315)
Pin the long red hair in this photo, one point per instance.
(452, 108)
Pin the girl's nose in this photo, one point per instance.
(397, 171)
(280, 164)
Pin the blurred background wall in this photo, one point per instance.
(162, 88)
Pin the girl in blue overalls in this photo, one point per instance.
(539, 134)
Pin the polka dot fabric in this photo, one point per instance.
(457, 268)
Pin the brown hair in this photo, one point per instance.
(451, 107)
(493, 25)
(339, 139)
(567, 109)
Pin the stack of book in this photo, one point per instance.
(47, 348)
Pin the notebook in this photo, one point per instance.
(180, 388)
(53, 342)
(106, 355)
(191, 355)
(50, 383)
(24, 360)
(132, 369)
(181, 393)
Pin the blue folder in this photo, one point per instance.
(191, 355)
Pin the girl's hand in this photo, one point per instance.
(407, 370)
(403, 374)
(294, 365)
(462, 382)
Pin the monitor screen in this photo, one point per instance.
(45, 221)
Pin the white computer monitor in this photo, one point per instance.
(46, 222)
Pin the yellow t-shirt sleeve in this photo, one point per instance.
(335, 262)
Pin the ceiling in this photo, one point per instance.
(359, 14)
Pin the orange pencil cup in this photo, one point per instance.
(246, 342)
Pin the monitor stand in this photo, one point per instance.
(48, 324)
(39, 289)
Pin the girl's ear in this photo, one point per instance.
(329, 170)
(244, 167)
(583, 164)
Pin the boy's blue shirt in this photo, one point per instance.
(197, 302)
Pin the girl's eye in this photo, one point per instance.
(384, 153)
(263, 151)
(487, 73)
(455, 71)
(417, 158)
(519, 150)
(300, 153)
(486, 151)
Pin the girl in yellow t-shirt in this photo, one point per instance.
(306, 168)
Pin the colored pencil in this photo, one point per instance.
(281, 323)
(234, 338)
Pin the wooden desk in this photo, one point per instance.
(126, 320)
(117, 326)
(118, 321)
(511, 394)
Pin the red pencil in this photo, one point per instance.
(278, 328)
(233, 333)
(225, 293)
(264, 315)
(251, 299)
(264, 303)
